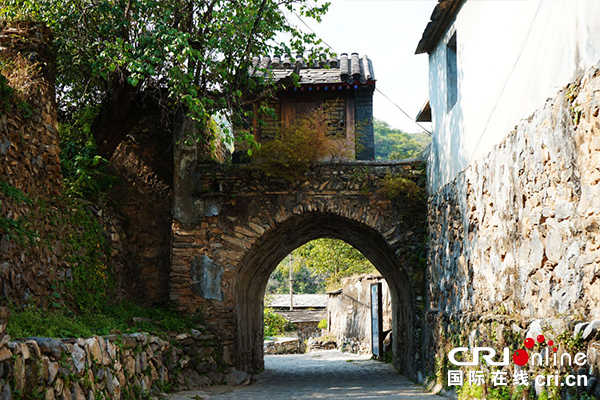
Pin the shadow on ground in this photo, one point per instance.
(327, 374)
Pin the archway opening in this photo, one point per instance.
(319, 298)
(262, 258)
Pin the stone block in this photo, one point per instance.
(591, 330)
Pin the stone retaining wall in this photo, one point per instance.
(283, 346)
(115, 366)
(33, 237)
(515, 238)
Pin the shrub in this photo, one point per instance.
(322, 324)
(84, 170)
(274, 324)
(298, 145)
(395, 185)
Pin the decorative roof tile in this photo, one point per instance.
(345, 69)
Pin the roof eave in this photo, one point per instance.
(442, 17)
(425, 113)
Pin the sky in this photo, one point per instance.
(387, 31)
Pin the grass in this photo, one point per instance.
(125, 317)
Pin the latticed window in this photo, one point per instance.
(336, 111)
(270, 125)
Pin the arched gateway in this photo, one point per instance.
(234, 225)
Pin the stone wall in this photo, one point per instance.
(349, 312)
(515, 238)
(143, 199)
(29, 142)
(233, 225)
(305, 330)
(32, 241)
(284, 345)
(116, 366)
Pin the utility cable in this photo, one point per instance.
(377, 89)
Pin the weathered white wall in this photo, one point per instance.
(349, 312)
(512, 56)
(518, 232)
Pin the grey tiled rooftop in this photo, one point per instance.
(300, 300)
(346, 69)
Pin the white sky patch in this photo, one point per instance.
(388, 31)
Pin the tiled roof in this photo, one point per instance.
(300, 300)
(303, 315)
(345, 69)
(442, 16)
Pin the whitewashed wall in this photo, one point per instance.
(350, 311)
(512, 56)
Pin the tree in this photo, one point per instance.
(319, 266)
(334, 258)
(127, 59)
(305, 280)
(393, 144)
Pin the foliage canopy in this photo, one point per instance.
(126, 59)
(393, 144)
(319, 266)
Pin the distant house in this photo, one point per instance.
(349, 312)
(345, 85)
(307, 307)
(491, 64)
(309, 310)
(301, 301)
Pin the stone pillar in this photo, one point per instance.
(29, 141)
(363, 105)
(185, 160)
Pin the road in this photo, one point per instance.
(327, 374)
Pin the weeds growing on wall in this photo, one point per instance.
(89, 258)
(24, 77)
(20, 81)
(18, 228)
(41, 222)
(6, 93)
(299, 145)
(396, 185)
(124, 317)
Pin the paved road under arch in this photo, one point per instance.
(326, 374)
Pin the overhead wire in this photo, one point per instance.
(377, 89)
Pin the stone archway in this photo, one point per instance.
(234, 225)
(259, 262)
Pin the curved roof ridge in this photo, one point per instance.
(336, 69)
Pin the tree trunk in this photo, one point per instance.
(119, 114)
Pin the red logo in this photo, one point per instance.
(521, 357)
